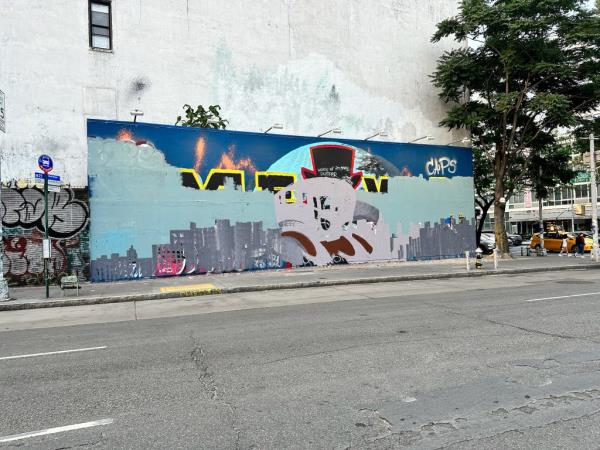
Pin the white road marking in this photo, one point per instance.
(409, 399)
(52, 353)
(77, 426)
(562, 296)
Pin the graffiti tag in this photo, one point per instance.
(440, 166)
(25, 208)
(22, 256)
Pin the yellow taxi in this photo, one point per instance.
(553, 241)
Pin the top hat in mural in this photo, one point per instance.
(333, 161)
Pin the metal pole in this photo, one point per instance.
(573, 209)
(594, 198)
(3, 283)
(468, 261)
(541, 252)
(46, 260)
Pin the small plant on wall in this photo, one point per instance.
(202, 118)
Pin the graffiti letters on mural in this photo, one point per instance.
(439, 167)
(271, 181)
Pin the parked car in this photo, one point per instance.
(516, 239)
(487, 242)
(513, 239)
(553, 242)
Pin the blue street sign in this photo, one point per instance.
(40, 176)
(45, 163)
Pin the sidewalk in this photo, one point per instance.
(191, 286)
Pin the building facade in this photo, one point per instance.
(568, 207)
(361, 66)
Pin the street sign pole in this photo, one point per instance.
(45, 163)
(47, 242)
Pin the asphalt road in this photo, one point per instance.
(488, 363)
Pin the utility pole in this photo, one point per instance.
(572, 209)
(541, 216)
(594, 198)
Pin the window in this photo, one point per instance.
(100, 24)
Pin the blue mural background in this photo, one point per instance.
(178, 144)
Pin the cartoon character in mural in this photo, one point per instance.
(321, 212)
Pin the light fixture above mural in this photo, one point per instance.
(379, 133)
(275, 126)
(429, 138)
(135, 113)
(335, 130)
(463, 141)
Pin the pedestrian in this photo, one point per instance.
(563, 246)
(580, 241)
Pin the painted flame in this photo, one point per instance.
(199, 151)
(124, 135)
(228, 161)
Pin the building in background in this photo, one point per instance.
(568, 207)
(312, 65)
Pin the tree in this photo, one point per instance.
(532, 68)
(549, 169)
(546, 168)
(202, 118)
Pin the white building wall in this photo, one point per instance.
(312, 64)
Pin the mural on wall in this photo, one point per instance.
(23, 221)
(170, 201)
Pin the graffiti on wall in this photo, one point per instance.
(23, 219)
(169, 201)
(440, 166)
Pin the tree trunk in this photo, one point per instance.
(500, 229)
(500, 203)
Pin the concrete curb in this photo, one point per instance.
(7, 306)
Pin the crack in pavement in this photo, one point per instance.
(200, 361)
(436, 429)
(517, 327)
(375, 422)
(85, 444)
(371, 344)
(520, 431)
